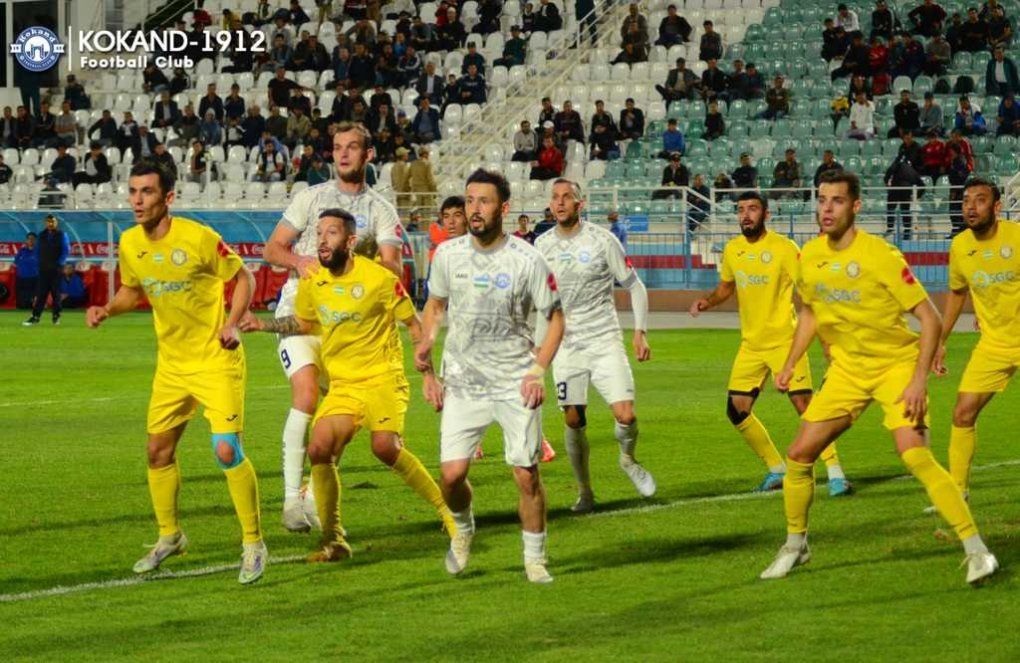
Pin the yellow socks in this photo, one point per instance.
(164, 486)
(244, 492)
(414, 474)
(942, 491)
(326, 486)
(798, 493)
(961, 454)
(758, 439)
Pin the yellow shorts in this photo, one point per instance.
(989, 370)
(845, 393)
(752, 367)
(176, 397)
(379, 404)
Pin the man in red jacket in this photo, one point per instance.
(933, 157)
(550, 161)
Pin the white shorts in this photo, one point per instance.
(605, 368)
(296, 352)
(465, 421)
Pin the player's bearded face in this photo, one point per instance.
(334, 244)
(484, 211)
(752, 218)
(979, 209)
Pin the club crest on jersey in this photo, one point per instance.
(766, 257)
(361, 221)
(482, 281)
(853, 269)
(357, 291)
(502, 280)
(1006, 252)
(178, 257)
(584, 257)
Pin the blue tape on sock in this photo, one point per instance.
(234, 442)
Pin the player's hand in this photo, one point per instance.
(423, 356)
(95, 315)
(826, 352)
(249, 323)
(533, 391)
(230, 337)
(432, 389)
(641, 350)
(938, 364)
(306, 266)
(697, 307)
(915, 400)
(782, 379)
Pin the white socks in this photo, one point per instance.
(974, 544)
(534, 546)
(835, 471)
(465, 520)
(576, 441)
(796, 541)
(294, 432)
(627, 437)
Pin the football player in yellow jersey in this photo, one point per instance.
(760, 267)
(984, 259)
(353, 303)
(856, 289)
(181, 267)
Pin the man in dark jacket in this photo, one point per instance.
(95, 167)
(632, 121)
(167, 113)
(1001, 75)
(26, 279)
(674, 175)
(54, 247)
(901, 175)
(907, 115)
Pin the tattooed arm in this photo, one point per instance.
(290, 325)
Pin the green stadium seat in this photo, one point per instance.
(1005, 145)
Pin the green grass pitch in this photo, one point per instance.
(672, 578)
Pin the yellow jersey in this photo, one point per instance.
(357, 315)
(991, 270)
(859, 296)
(182, 275)
(765, 272)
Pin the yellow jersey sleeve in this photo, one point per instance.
(128, 276)
(304, 301)
(399, 302)
(218, 257)
(791, 262)
(957, 278)
(727, 264)
(895, 274)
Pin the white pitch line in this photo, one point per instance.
(62, 590)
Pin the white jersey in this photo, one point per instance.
(491, 295)
(586, 265)
(376, 218)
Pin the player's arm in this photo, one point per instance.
(279, 251)
(955, 299)
(290, 325)
(240, 300)
(126, 299)
(432, 387)
(626, 276)
(722, 292)
(915, 396)
(389, 257)
(432, 319)
(807, 327)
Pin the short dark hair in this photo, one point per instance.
(452, 202)
(754, 195)
(482, 176)
(977, 180)
(167, 180)
(350, 224)
(33, 235)
(853, 183)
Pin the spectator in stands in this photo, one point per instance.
(846, 18)
(233, 105)
(713, 81)
(361, 71)
(75, 93)
(927, 18)
(422, 180)
(298, 127)
(279, 88)
(549, 131)
(127, 133)
(107, 128)
(271, 164)
(878, 56)
(430, 85)
(95, 167)
(276, 124)
(381, 117)
(164, 158)
(1008, 118)
(601, 117)
(958, 174)
(739, 83)
(515, 49)
(674, 176)
(634, 29)
(630, 54)
(930, 116)
(855, 60)
(859, 84)
(1001, 75)
(5, 171)
(65, 126)
(252, 127)
(409, 67)
(450, 37)
(523, 231)
(788, 174)
(26, 266)
(672, 140)
(166, 114)
(421, 35)
(473, 57)
(906, 115)
(568, 124)
(715, 126)
(900, 178)
(489, 12)
(24, 129)
(145, 145)
(180, 82)
(209, 131)
(547, 113)
(711, 43)
(426, 122)
(198, 168)
(834, 40)
(974, 33)
(525, 143)
(682, 83)
(386, 66)
(472, 88)
(341, 63)
(1000, 32)
(528, 17)
(62, 169)
(933, 157)
(883, 21)
(311, 55)
(938, 56)
(44, 134)
(632, 121)
(862, 118)
(304, 163)
(969, 120)
(53, 249)
(828, 163)
(8, 131)
(404, 130)
(299, 100)
(549, 163)
(154, 80)
(547, 17)
(910, 59)
(699, 203)
(72, 289)
(603, 143)
(319, 172)
(451, 93)
(954, 33)
(963, 146)
(777, 100)
(673, 29)
(746, 175)
(359, 111)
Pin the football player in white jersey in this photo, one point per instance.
(489, 283)
(293, 245)
(586, 260)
